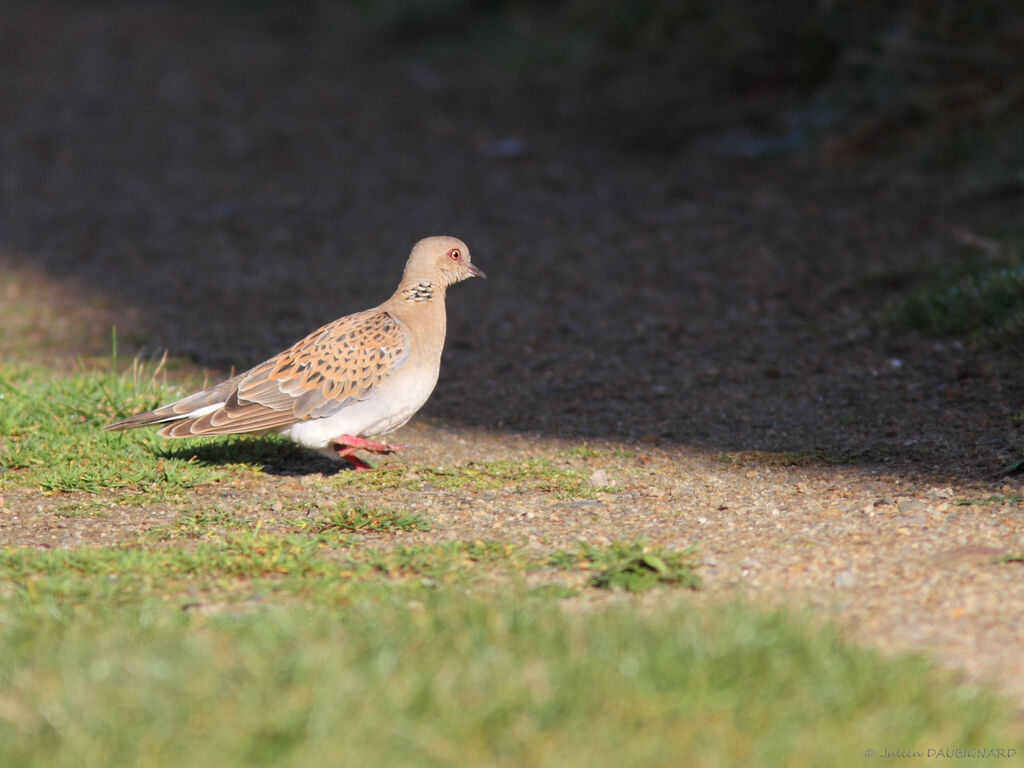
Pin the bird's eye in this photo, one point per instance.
(454, 254)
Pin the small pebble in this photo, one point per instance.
(844, 579)
(911, 506)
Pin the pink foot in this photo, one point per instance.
(357, 464)
(347, 445)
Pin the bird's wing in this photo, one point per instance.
(343, 362)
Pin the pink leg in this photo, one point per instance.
(346, 446)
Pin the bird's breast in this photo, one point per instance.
(387, 408)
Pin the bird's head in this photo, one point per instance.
(440, 261)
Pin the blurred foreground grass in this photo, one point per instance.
(449, 676)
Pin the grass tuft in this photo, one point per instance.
(447, 562)
(351, 517)
(981, 300)
(630, 566)
(989, 500)
(199, 524)
(588, 452)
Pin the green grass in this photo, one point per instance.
(52, 436)
(448, 563)
(451, 678)
(630, 566)
(975, 298)
(329, 524)
(201, 523)
(242, 563)
(351, 517)
(588, 452)
(989, 500)
(227, 560)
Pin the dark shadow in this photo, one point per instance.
(275, 457)
(219, 190)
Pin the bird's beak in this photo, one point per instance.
(475, 270)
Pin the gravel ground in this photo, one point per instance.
(218, 191)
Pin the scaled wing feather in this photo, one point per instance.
(342, 362)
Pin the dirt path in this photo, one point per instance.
(218, 191)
